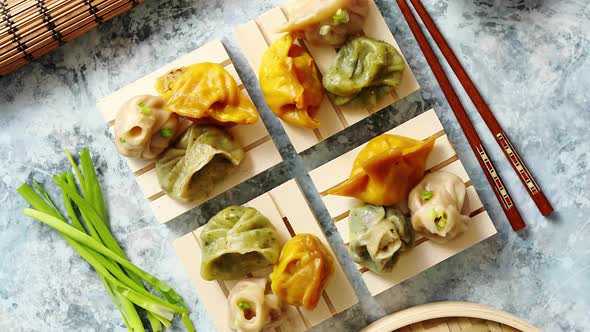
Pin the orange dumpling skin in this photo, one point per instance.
(206, 93)
(290, 83)
(386, 170)
(302, 272)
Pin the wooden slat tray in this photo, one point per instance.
(426, 253)
(286, 207)
(254, 38)
(450, 317)
(261, 153)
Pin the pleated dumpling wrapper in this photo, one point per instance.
(290, 83)
(377, 236)
(364, 71)
(188, 170)
(143, 128)
(236, 241)
(326, 22)
(436, 204)
(207, 94)
(250, 309)
(302, 272)
(386, 169)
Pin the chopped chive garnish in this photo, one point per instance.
(341, 17)
(144, 109)
(244, 305)
(427, 195)
(166, 132)
(122, 140)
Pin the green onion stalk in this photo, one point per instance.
(90, 236)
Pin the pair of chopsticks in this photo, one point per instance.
(514, 158)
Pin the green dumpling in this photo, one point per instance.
(237, 241)
(377, 235)
(365, 70)
(202, 156)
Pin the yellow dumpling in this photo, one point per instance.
(302, 272)
(290, 83)
(206, 93)
(386, 170)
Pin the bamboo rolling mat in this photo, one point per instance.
(287, 209)
(425, 253)
(261, 153)
(255, 37)
(32, 28)
(450, 317)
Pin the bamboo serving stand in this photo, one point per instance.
(260, 150)
(257, 35)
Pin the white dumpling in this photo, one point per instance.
(436, 204)
(326, 22)
(250, 310)
(144, 129)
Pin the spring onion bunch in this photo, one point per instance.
(88, 233)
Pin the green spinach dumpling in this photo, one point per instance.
(237, 241)
(377, 235)
(365, 70)
(202, 156)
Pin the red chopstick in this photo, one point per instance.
(482, 107)
(486, 164)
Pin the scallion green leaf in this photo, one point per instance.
(427, 195)
(244, 305)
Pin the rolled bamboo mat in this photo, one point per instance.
(32, 28)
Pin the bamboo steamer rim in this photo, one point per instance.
(437, 310)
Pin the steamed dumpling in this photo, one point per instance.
(365, 70)
(237, 241)
(386, 170)
(206, 93)
(143, 129)
(188, 170)
(290, 83)
(377, 235)
(436, 204)
(326, 22)
(302, 272)
(250, 310)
